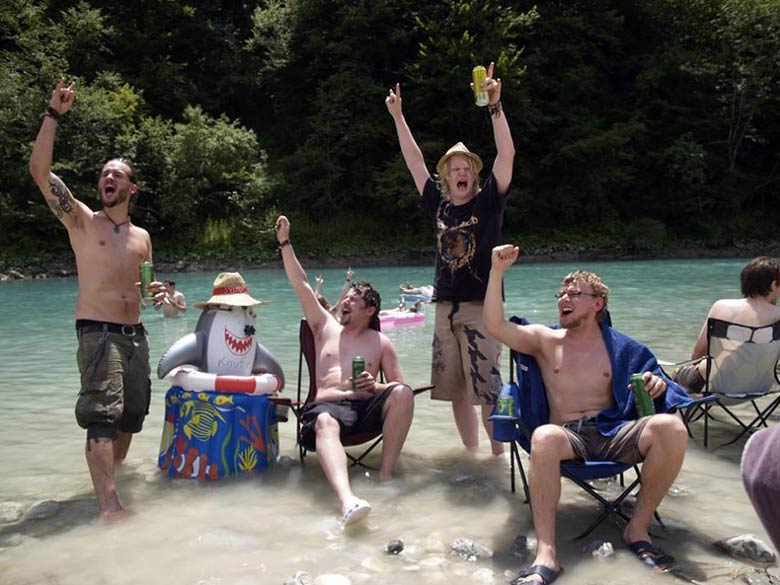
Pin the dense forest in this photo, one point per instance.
(638, 124)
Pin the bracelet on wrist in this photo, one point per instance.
(283, 244)
(52, 113)
(495, 109)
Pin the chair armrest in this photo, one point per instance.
(294, 405)
(421, 389)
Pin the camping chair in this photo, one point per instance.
(530, 402)
(742, 366)
(307, 353)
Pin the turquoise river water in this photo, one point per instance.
(265, 528)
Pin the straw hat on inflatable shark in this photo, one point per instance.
(223, 346)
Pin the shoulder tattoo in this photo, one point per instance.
(64, 202)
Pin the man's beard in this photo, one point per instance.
(121, 197)
(576, 322)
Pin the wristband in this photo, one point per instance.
(495, 109)
(52, 113)
(283, 244)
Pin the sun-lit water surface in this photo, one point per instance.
(264, 528)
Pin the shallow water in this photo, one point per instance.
(266, 527)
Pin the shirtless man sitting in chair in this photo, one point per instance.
(339, 410)
(577, 370)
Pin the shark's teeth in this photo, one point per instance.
(237, 345)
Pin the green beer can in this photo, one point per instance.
(147, 276)
(643, 400)
(358, 366)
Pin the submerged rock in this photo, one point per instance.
(520, 548)
(394, 547)
(10, 512)
(747, 546)
(468, 550)
(42, 509)
(300, 578)
(602, 549)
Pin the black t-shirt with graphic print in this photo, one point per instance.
(465, 237)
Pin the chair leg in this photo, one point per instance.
(516, 461)
(359, 459)
(760, 419)
(607, 507)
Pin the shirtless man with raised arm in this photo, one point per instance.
(340, 411)
(113, 353)
(591, 411)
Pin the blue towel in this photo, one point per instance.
(626, 356)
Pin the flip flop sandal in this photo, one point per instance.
(547, 574)
(651, 555)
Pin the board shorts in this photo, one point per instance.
(590, 445)
(116, 388)
(465, 361)
(354, 416)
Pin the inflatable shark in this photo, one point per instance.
(223, 343)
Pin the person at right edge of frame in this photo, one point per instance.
(465, 366)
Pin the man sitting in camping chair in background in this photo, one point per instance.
(340, 410)
(584, 366)
(760, 287)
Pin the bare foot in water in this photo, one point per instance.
(110, 516)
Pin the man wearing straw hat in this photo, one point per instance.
(342, 407)
(468, 220)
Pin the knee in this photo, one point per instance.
(669, 429)
(326, 424)
(548, 441)
(401, 396)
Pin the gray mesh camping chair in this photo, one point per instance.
(742, 366)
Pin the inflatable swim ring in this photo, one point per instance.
(196, 380)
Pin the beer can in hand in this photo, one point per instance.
(478, 76)
(147, 277)
(358, 367)
(643, 400)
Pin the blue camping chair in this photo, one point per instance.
(530, 404)
(743, 365)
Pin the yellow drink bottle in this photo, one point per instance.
(478, 76)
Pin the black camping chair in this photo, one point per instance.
(307, 352)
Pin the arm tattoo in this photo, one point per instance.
(64, 202)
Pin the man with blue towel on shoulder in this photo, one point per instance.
(585, 366)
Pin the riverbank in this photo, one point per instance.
(63, 265)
